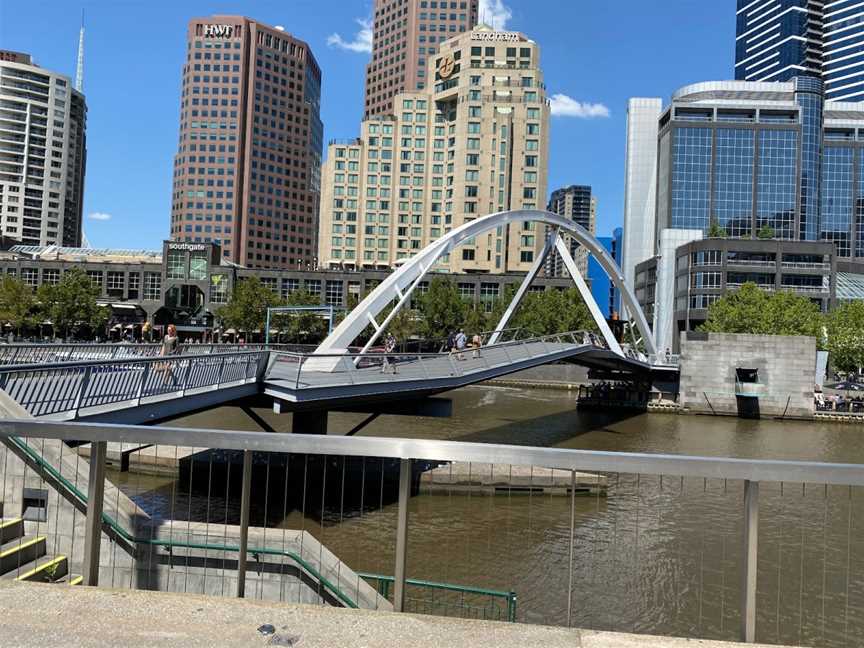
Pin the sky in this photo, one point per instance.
(595, 55)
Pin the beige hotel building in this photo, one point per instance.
(475, 141)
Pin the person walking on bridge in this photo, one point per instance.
(461, 341)
(170, 347)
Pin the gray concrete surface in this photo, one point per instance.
(786, 364)
(82, 617)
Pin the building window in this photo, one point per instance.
(30, 276)
(334, 296)
(50, 277)
(313, 286)
(95, 278)
(176, 264)
(289, 286)
(152, 286)
(134, 285)
(198, 265)
(115, 283)
(219, 289)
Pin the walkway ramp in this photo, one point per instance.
(319, 379)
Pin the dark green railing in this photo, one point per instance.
(490, 611)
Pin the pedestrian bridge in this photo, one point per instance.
(137, 389)
(128, 383)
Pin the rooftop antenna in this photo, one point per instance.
(79, 69)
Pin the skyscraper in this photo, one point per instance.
(640, 184)
(473, 142)
(42, 154)
(776, 40)
(247, 169)
(406, 35)
(577, 204)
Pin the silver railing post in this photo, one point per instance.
(145, 374)
(93, 523)
(79, 398)
(402, 535)
(245, 497)
(751, 546)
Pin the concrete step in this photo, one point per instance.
(20, 551)
(45, 569)
(11, 529)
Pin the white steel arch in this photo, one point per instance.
(402, 282)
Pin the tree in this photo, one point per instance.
(247, 308)
(716, 231)
(301, 326)
(442, 310)
(751, 310)
(16, 303)
(844, 327)
(72, 303)
(553, 311)
(765, 232)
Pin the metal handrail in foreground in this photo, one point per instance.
(750, 471)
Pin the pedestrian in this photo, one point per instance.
(476, 343)
(170, 347)
(668, 356)
(451, 341)
(389, 361)
(461, 341)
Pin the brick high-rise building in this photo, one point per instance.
(576, 203)
(405, 39)
(474, 142)
(248, 164)
(42, 154)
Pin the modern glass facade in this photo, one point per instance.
(843, 55)
(775, 187)
(778, 40)
(808, 95)
(691, 177)
(836, 203)
(733, 184)
(774, 39)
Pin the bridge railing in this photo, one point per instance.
(709, 547)
(308, 371)
(67, 389)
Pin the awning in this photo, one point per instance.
(124, 306)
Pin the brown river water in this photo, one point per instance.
(655, 554)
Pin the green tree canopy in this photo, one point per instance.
(302, 326)
(442, 309)
(845, 335)
(751, 310)
(72, 303)
(765, 232)
(16, 303)
(553, 311)
(247, 308)
(716, 231)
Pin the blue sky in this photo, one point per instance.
(595, 53)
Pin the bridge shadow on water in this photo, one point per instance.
(551, 429)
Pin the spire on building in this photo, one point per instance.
(79, 69)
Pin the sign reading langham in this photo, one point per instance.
(495, 36)
(218, 31)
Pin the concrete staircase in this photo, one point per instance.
(24, 557)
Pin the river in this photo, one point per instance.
(656, 555)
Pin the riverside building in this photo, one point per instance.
(248, 163)
(186, 283)
(406, 35)
(755, 181)
(42, 154)
(474, 142)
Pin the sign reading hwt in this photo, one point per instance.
(218, 31)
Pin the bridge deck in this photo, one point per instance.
(313, 379)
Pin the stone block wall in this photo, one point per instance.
(786, 366)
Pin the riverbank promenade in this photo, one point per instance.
(42, 615)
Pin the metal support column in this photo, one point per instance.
(245, 497)
(751, 546)
(93, 523)
(402, 535)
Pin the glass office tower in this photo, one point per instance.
(777, 40)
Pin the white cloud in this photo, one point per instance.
(564, 106)
(362, 39)
(495, 13)
(99, 216)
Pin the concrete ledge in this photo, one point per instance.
(36, 615)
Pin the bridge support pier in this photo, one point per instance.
(309, 422)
